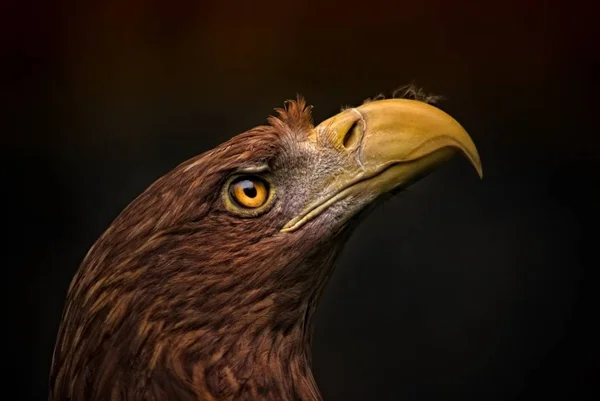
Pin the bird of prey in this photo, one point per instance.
(204, 288)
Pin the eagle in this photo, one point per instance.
(205, 286)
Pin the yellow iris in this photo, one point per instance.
(249, 192)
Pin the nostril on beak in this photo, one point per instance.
(352, 136)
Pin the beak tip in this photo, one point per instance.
(479, 169)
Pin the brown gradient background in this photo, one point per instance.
(455, 290)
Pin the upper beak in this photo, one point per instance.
(404, 131)
(392, 143)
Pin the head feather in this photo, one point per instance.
(295, 116)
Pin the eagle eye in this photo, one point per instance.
(249, 192)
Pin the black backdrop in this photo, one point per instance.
(458, 289)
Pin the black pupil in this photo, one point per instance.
(249, 188)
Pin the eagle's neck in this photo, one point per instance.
(264, 354)
(266, 366)
(262, 349)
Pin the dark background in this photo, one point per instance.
(458, 289)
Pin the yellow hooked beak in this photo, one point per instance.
(392, 143)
